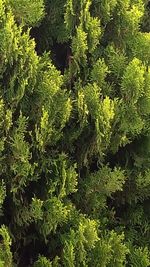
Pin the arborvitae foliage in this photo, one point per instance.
(74, 133)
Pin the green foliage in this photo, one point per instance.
(74, 133)
(5, 253)
(100, 185)
(133, 79)
(140, 257)
(104, 9)
(27, 12)
(139, 46)
(20, 165)
(116, 61)
(99, 72)
(128, 17)
(137, 223)
(79, 46)
(42, 262)
(2, 194)
(110, 251)
(78, 242)
(55, 213)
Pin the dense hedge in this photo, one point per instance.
(75, 133)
